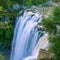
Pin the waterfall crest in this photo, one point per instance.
(25, 35)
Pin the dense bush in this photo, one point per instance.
(52, 26)
(6, 34)
(33, 2)
(21, 2)
(55, 45)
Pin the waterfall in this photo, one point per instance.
(42, 44)
(26, 35)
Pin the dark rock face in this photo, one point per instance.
(45, 55)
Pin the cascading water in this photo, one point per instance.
(25, 35)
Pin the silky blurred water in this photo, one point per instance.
(25, 35)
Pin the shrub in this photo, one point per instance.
(52, 26)
(6, 34)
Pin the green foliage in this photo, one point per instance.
(52, 24)
(6, 34)
(27, 3)
(36, 2)
(33, 2)
(9, 3)
(56, 14)
(55, 45)
(3, 56)
(49, 25)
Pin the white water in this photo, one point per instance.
(25, 40)
(42, 44)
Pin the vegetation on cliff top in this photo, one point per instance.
(52, 26)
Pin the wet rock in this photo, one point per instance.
(45, 55)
